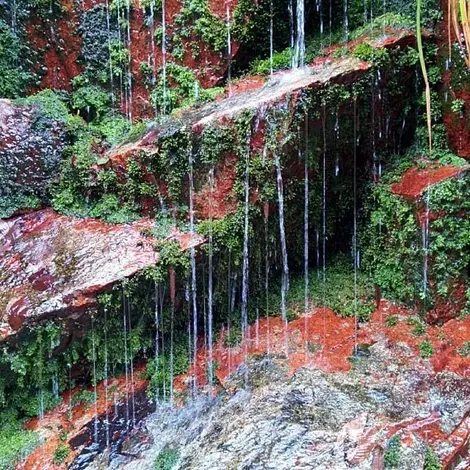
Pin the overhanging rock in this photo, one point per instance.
(55, 266)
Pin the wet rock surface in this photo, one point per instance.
(313, 419)
(53, 265)
(31, 147)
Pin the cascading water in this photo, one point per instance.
(210, 284)
(164, 77)
(355, 250)
(324, 224)
(111, 75)
(172, 281)
(306, 233)
(299, 57)
(105, 371)
(425, 242)
(290, 8)
(95, 381)
(229, 49)
(157, 339)
(193, 269)
(131, 361)
(266, 272)
(129, 71)
(271, 37)
(345, 21)
(285, 264)
(126, 357)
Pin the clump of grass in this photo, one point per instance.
(426, 349)
(167, 459)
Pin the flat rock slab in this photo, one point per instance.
(275, 91)
(54, 265)
(416, 181)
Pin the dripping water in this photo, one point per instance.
(157, 341)
(291, 30)
(229, 50)
(210, 282)
(95, 381)
(355, 250)
(131, 361)
(193, 269)
(271, 37)
(111, 78)
(172, 332)
(285, 265)
(126, 358)
(306, 237)
(266, 273)
(129, 47)
(299, 57)
(425, 241)
(164, 77)
(106, 389)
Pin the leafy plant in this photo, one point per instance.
(426, 349)
(392, 455)
(431, 461)
(167, 459)
(60, 454)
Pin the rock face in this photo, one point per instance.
(76, 35)
(53, 265)
(30, 151)
(316, 420)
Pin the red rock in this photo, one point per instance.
(53, 265)
(415, 181)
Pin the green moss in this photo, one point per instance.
(60, 454)
(426, 349)
(167, 459)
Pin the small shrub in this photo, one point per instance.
(391, 321)
(61, 454)
(392, 453)
(85, 397)
(167, 459)
(431, 461)
(419, 327)
(464, 350)
(425, 349)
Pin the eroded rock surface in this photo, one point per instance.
(316, 420)
(53, 265)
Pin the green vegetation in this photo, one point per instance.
(425, 349)
(392, 455)
(167, 459)
(15, 443)
(61, 453)
(431, 461)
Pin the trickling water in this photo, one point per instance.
(129, 47)
(324, 223)
(337, 140)
(425, 241)
(299, 57)
(153, 58)
(271, 37)
(290, 8)
(111, 78)
(126, 357)
(285, 265)
(95, 381)
(164, 78)
(245, 272)
(131, 361)
(345, 21)
(106, 390)
(266, 273)
(172, 330)
(229, 50)
(210, 282)
(157, 341)
(193, 268)
(355, 251)
(306, 237)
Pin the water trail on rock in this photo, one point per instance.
(157, 342)
(299, 57)
(111, 77)
(355, 251)
(425, 242)
(126, 359)
(153, 58)
(131, 361)
(266, 274)
(345, 21)
(337, 129)
(95, 382)
(229, 51)
(129, 72)
(306, 234)
(271, 37)
(210, 283)
(193, 269)
(106, 384)
(164, 77)
(324, 226)
(229, 307)
(172, 279)
(290, 8)
(285, 264)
